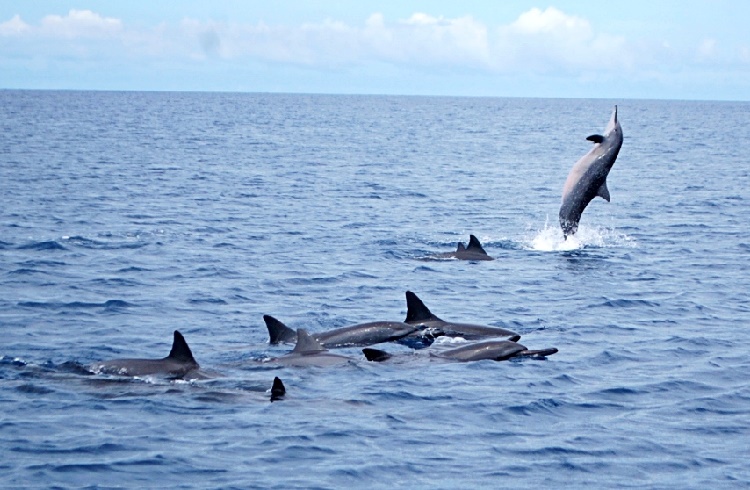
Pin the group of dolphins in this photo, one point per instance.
(420, 328)
(587, 180)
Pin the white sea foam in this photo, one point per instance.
(550, 239)
(445, 340)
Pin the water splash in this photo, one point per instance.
(550, 239)
(445, 340)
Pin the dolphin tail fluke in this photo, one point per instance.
(277, 331)
(278, 390)
(416, 311)
(375, 355)
(180, 350)
(537, 354)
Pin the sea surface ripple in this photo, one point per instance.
(127, 215)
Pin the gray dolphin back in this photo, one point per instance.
(472, 251)
(178, 363)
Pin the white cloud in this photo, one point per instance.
(438, 40)
(707, 50)
(80, 24)
(551, 21)
(14, 27)
(420, 39)
(537, 42)
(552, 41)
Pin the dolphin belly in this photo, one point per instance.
(584, 191)
(493, 350)
(588, 177)
(496, 351)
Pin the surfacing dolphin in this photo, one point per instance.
(588, 177)
(495, 350)
(278, 390)
(360, 335)
(418, 314)
(310, 352)
(177, 364)
(472, 251)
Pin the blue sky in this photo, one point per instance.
(655, 49)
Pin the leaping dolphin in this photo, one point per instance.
(177, 364)
(472, 251)
(588, 177)
(418, 314)
(360, 335)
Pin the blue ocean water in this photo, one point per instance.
(125, 216)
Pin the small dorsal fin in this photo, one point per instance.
(180, 350)
(306, 343)
(277, 331)
(278, 390)
(375, 355)
(475, 246)
(596, 138)
(603, 192)
(416, 311)
(460, 248)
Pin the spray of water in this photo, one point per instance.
(550, 239)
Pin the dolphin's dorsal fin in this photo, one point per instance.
(596, 138)
(416, 311)
(306, 343)
(460, 248)
(603, 192)
(475, 246)
(180, 350)
(277, 331)
(375, 355)
(278, 390)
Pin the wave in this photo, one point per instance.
(112, 304)
(90, 244)
(45, 245)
